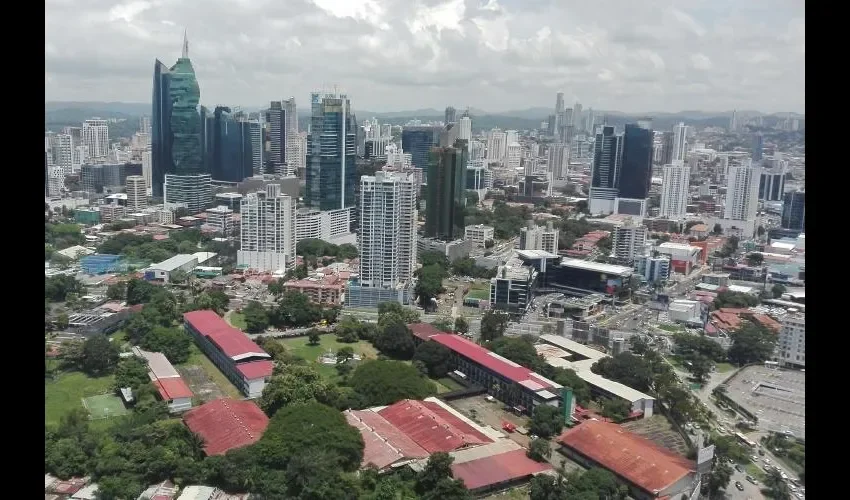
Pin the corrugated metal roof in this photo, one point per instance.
(256, 369)
(384, 443)
(225, 424)
(173, 388)
(639, 460)
(230, 340)
(424, 331)
(432, 427)
(496, 469)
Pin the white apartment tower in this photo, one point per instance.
(55, 181)
(742, 192)
(558, 160)
(96, 136)
(792, 340)
(387, 238)
(465, 131)
(146, 167)
(63, 152)
(268, 230)
(497, 145)
(514, 155)
(137, 193)
(628, 242)
(674, 191)
(680, 143)
(534, 237)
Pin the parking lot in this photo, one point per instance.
(777, 397)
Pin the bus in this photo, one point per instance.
(744, 440)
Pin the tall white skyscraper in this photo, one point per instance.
(497, 146)
(514, 155)
(146, 168)
(268, 230)
(628, 241)
(387, 236)
(674, 191)
(680, 143)
(96, 136)
(137, 193)
(558, 160)
(742, 192)
(465, 128)
(511, 136)
(63, 152)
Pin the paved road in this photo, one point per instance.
(751, 491)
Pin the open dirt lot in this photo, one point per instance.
(658, 430)
(200, 383)
(485, 413)
(777, 397)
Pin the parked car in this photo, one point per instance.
(751, 479)
(739, 486)
(739, 468)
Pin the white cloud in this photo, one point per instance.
(404, 54)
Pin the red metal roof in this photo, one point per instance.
(230, 340)
(173, 388)
(384, 443)
(424, 331)
(637, 459)
(431, 426)
(492, 362)
(225, 424)
(497, 469)
(255, 369)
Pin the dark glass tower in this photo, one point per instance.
(276, 119)
(176, 123)
(666, 148)
(418, 141)
(446, 192)
(607, 159)
(331, 149)
(794, 211)
(758, 147)
(451, 115)
(231, 153)
(636, 171)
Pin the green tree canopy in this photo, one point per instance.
(627, 369)
(517, 349)
(383, 382)
(493, 325)
(256, 317)
(751, 343)
(435, 357)
(546, 421)
(395, 340)
(174, 343)
(293, 384)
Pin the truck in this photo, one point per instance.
(508, 427)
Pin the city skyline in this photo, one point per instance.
(698, 58)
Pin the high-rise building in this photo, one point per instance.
(276, 120)
(772, 185)
(55, 181)
(291, 111)
(742, 192)
(674, 191)
(176, 131)
(192, 192)
(636, 171)
(758, 148)
(792, 340)
(666, 148)
(46, 176)
(589, 121)
(680, 143)
(418, 141)
(552, 125)
(558, 160)
(446, 192)
(534, 237)
(331, 148)
(514, 155)
(146, 168)
(387, 237)
(465, 130)
(733, 121)
(145, 125)
(577, 122)
(267, 234)
(137, 193)
(559, 103)
(63, 152)
(497, 145)
(451, 115)
(95, 135)
(794, 211)
(230, 149)
(628, 242)
(607, 160)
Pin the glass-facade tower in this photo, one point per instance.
(331, 149)
(418, 141)
(446, 192)
(636, 170)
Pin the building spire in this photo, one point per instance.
(185, 45)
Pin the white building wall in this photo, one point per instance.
(742, 192)
(792, 340)
(628, 242)
(95, 136)
(268, 230)
(680, 143)
(674, 191)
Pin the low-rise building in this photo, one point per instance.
(653, 269)
(792, 340)
(683, 258)
(479, 233)
(512, 288)
(685, 311)
(102, 320)
(245, 363)
(227, 424)
(163, 270)
(171, 387)
(321, 290)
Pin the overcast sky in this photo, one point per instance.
(392, 55)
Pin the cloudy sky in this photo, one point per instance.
(391, 55)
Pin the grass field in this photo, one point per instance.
(670, 328)
(449, 384)
(724, 367)
(67, 391)
(755, 471)
(298, 346)
(521, 493)
(238, 320)
(104, 406)
(479, 291)
(196, 357)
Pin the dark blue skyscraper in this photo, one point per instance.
(418, 141)
(331, 149)
(636, 170)
(230, 150)
(794, 211)
(758, 147)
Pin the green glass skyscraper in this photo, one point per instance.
(446, 192)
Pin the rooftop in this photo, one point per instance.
(172, 388)
(256, 369)
(597, 267)
(226, 424)
(536, 254)
(424, 331)
(175, 262)
(637, 459)
(495, 363)
(432, 427)
(232, 342)
(678, 246)
(573, 347)
(497, 469)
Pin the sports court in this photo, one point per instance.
(776, 396)
(104, 406)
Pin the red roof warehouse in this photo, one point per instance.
(245, 363)
(650, 470)
(225, 424)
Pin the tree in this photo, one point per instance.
(775, 487)
(256, 317)
(131, 372)
(383, 382)
(443, 324)
(616, 409)
(488, 244)
(292, 384)
(568, 378)
(718, 229)
(435, 358)
(58, 288)
(430, 284)
(700, 368)
(296, 309)
(760, 231)
(517, 349)
(461, 325)
(395, 340)
(755, 259)
(434, 258)
(117, 291)
(493, 325)
(437, 469)
(627, 369)
(546, 421)
(348, 330)
(139, 291)
(734, 299)
(539, 450)
(778, 291)
(99, 355)
(62, 321)
(390, 311)
(172, 342)
(751, 343)
(718, 479)
(313, 337)
(344, 354)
